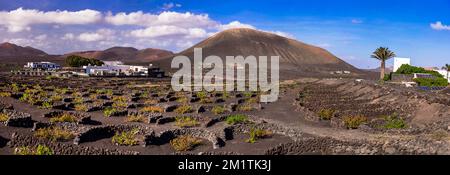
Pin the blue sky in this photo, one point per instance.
(350, 29)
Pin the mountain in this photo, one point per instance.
(125, 54)
(9, 49)
(13, 57)
(296, 58)
(389, 69)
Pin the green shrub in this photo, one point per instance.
(50, 77)
(24, 151)
(3, 117)
(429, 82)
(136, 118)
(108, 111)
(245, 107)
(55, 98)
(387, 77)
(144, 94)
(78, 100)
(225, 94)
(408, 69)
(248, 94)
(65, 117)
(394, 122)
(235, 119)
(252, 100)
(326, 114)
(182, 100)
(152, 109)
(46, 105)
(126, 138)
(43, 150)
(202, 94)
(40, 150)
(218, 110)
(78, 61)
(256, 134)
(54, 134)
(100, 91)
(5, 94)
(206, 100)
(353, 122)
(184, 109)
(81, 107)
(61, 91)
(15, 87)
(185, 143)
(186, 122)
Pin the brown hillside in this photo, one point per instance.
(8, 50)
(296, 58)
(125, 54)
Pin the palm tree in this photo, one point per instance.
(383, 54)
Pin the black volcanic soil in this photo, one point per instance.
(293, 119)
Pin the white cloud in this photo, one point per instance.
(99, 35)
(89, 37)
(21, 19)
(235, 24)
(100, 30)
(68, 36)
(168, 6)
(439, 26)
(41, 37)
(139, 18)
(19, 41)
(169, 31)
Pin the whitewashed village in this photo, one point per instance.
(119, 69)
(107, 69)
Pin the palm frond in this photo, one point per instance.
(383, 54)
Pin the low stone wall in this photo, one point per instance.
(18, 119)
(165, 136)
(402, 77)
(101, 132)
(81, 118)
(18, 140)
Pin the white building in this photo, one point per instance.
(398, 62)
(116, 68)
(42, 65)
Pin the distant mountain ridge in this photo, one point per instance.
(13, 56)
(9, 49)
(389, 69)
(125, 54)
(297, 59)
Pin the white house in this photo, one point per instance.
(116, 68)
(42, 65)
(398, 62)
